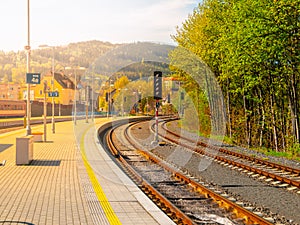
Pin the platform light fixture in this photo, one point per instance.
(75, 88)
(52, 85)
(27, 49)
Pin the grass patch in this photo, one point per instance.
(271, 152)
(228, 140)
(292, 152)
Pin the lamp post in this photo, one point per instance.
(122, 100)
(87, 101)
(75, 88)
(27, 48)
(137, 94)
(92, 97)
(45, 110)
(179, 99)
(59, 109)
(93, 93)
(109, 99)
(52, 85)
(147, 106)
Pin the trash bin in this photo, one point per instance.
(24, 150)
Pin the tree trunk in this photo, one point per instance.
(262, 121)
(294, 109)
(275, 136)
(283, 132)
(228, 110)
(247, 131)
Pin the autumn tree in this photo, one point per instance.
(252, 46)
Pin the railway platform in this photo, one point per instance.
(71, 180)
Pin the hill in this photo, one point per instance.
(134, 60)
(13, 64)
(99, 57)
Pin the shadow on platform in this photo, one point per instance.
(3, 147)
(15, 222)
(37, 162)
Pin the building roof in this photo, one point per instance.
(64, 81)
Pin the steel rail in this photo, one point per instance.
(240, 212)
(239, 155)
(171, 210)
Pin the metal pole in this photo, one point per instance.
(53, 78)
(92, 97)
(27, 48)
(156, 121)
(109, 102)
(59, 112)
(86, 104)
(75, 110)
(136, 102)
(147, 106)
(179, 105)
(45, 111)
(122, 103)
(155, 141)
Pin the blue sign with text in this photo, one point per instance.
(33, 78)
(53, 94)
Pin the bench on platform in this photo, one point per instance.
(37, 136)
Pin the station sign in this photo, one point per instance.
(53, 94)
(33, 78)
(31, 94)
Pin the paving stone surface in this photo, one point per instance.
(48, 190)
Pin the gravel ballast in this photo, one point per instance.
(273, 199)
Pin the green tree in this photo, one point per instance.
(252, 46)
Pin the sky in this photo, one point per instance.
(60, 22)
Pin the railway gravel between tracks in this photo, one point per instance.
(186, 180)
(173, 126)
(274, 200)
(277, 173)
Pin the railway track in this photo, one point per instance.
(184, 199)
(274, 173)
(15, 124)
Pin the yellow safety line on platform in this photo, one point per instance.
(109, 212)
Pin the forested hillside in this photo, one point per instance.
(13, 64)
(101, 58)
(135, 59)
(253, 48)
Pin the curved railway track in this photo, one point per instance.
(280, 175)
(183, 199)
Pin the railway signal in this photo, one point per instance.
(157, 92)
(157, 85)
(182, 95)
